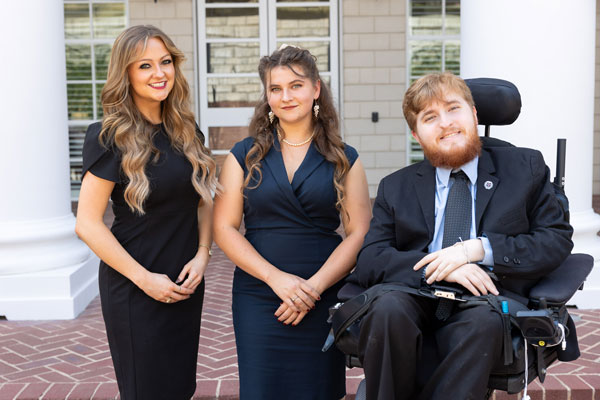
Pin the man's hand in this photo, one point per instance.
(444, 261)
(474, 279)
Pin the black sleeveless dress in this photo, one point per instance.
(154, 345)
(292, 225)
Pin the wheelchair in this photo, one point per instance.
(538, 327)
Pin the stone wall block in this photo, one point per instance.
(391, 58)
(382, 107)
(359, 127)
(397, 41)
(374, 75)
(352, 110)
(389, 126)
(389, 24)
(359, 24)
(351, 41)
(359, 93)
(374, 143)
(398, 143)
(351, 7)
(374, 41)
(389, 92)
(359, 59)
(184, 9)
(160, 10)
(390, 159)
(177, 26)
(377, 7)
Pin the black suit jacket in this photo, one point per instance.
(518, 212)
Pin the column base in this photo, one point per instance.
(61, 293)
(586, 240)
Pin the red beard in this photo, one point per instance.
(455, 157)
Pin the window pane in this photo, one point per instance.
(102, 55)
(76, 137)
(79, 62)
(79, 98)
(109, 20)
(426, 57)
(302, 21)
(232, 57)
(426, 17)
(224, 137)
(99, 111)
(233, 92)
(321, 50)
(300, 1)
(452, 57)
(232, 23)
(452, 17)
(77, 21)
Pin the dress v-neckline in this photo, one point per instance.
(300, 166)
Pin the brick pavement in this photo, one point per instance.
(70, 359)
(55, 360)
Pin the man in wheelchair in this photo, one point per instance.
(465, 221)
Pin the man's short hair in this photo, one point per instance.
(432, 87)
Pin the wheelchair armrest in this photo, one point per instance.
(562, 283)
(349, 290)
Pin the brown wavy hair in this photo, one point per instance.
(327, 139)
(124, 125)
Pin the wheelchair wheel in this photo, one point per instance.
(361, 391)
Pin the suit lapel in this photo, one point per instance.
(425, 189)
(486, 185)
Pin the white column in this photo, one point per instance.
(46, 272)
(547, 49)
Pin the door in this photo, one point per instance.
(233, 35)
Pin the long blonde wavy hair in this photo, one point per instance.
(124, 125)
(327, 139)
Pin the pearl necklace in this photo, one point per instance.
(284, 140)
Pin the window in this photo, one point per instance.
(90, 28)
(433, 46)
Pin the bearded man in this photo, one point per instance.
(513, 233)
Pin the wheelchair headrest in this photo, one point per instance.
(498, 102)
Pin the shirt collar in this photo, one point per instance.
(470, 169)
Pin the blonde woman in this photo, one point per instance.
(291, 181)
(148, 156)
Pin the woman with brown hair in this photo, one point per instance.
(148, 156)
(290, 181)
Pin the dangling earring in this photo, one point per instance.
(271, 116)
(316, 110)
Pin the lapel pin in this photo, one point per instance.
(488, 185)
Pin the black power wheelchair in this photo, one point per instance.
(536, 329)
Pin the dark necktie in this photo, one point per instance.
(457, 218)
(457, 225)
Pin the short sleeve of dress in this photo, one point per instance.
(100, 161)
(240, 149)
(351, 154)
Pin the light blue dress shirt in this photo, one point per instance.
(442, 188)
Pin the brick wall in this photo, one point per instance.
(374, 78)
(175, 18)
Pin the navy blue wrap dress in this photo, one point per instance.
(293, 227)
(154, 345)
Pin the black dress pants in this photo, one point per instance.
(392, 334)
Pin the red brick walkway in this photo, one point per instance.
(70, 359)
